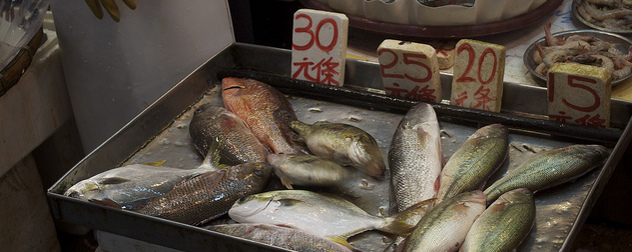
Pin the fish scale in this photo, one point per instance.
(255, 102)
(237, 142)
(550, 168)
(209, 195)
(415, 157)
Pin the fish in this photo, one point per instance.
(237, 142)
(255, 102)
(344, 143)
(444, 226)
(550, 168)
(308, 170)
(284, 237)
(474, 162)
(127, 184)
(504, 224)
(415, 157)
(318, 213)
(209, 195)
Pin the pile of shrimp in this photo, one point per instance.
(615, 15)
(586, 50)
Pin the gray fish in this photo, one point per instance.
(550, 168)
(343, 143)
(209, 195)
(503, 225)
(308, 170)
(284, 237)
(444, 227)
(237, 143)
(474, 162)
(321, 214)
(415, 157)
(130, 183)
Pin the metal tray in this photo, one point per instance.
(161, 133)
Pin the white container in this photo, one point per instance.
(115, 70)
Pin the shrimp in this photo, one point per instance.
(550, 39)
(603, 14)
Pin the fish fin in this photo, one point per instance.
(342, 241)
(286, 183)
(399, 225)
(290, 202)
(157, 163)
(204, 221)
(213, 155)
(138, 204)
(113, 181)
(284, 116)
(106, 202)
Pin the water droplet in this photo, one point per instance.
(316, 110)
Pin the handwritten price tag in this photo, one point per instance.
(579, 94)
(409, 70)
(478, 75)
(445, 52)
(319, 46)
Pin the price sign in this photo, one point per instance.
(445, 52)
(319, 46)
(478, 75)
(409, 70)
(579, 94)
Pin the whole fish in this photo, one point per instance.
(319, 214)
(130, 183)
(237, 143)
(307, 170)
(255, 102)
(284, 237)
(343, 143)
(550, 168)
(504, 224)
(444, 227)
(474, 162)
(415, 157)
(209, 195)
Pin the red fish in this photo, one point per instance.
(255, 102)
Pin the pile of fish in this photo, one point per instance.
(266, 170)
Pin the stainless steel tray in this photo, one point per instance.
(161, 133)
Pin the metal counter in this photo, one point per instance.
(161, 133)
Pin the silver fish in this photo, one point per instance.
(284, 237)
(444, 227)
(415, 157)
(308, 170)
(209, 195)
(130, 183)
(319, 214)
(238, 144)
(343, 143)
(504, 224)
(550, 168)
(474, 162)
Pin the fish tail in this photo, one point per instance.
(106, 202)
(399, 225)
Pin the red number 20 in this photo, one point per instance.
(470, 63)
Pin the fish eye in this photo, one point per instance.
(197, 110)
(242, 199)
(258, 173)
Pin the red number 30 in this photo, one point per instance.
(314, 36)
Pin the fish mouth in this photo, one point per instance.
(233, 87)
(255, 210)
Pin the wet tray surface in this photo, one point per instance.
(166, 138)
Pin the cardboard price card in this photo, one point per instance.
(579, 94)
(319, 46)
(477, 82)
(409, 70)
